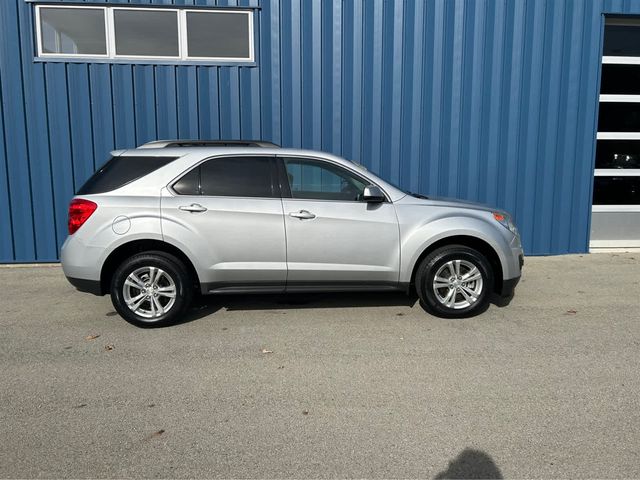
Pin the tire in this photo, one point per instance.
(453, 297)
(156, 303)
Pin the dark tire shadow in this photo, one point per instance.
(471, 463)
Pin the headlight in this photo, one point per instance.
(505, 220)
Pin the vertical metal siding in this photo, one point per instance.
(488, 100)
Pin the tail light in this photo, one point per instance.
(79, 211)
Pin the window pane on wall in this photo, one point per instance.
(146, 32)
(618, 154)
(78, 31)
(237, 177)
(619, 117)
(622, 37)
(218, 34)
(616, 191)
(620, 79)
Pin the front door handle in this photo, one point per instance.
(193, 208)
(303, 214)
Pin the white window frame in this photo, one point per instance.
(109, 18)
(617, 172)
(41, 53)
(185, 41)
(609, 60)
(111, 34)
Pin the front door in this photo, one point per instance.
(334, 239)
(227, 213)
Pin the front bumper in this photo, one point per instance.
(509, 285)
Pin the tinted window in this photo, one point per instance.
(319, 180)
(188, 184)
(618, 154)
(218, 34)
(238, 177)
(616, 191)
(622, 40)
(78, 31)
(119, 171)
(146, 32)
(620, 79)
(619, 117)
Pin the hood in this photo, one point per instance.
(447, 202)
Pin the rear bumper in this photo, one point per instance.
(88, 286)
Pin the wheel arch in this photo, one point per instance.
(134, 247)
(468, 241)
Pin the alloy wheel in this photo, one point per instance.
(458, 284)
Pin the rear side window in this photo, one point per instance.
(119, 171)
(189, 184)
(231, 177)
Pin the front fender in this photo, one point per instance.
(415, 240)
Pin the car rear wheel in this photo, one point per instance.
(454, 281)
(151, 289)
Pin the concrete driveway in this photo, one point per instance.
(363, 385)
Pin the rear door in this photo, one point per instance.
(227, 213)
(335, 240)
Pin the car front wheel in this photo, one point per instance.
(151, 289)
(454, 281)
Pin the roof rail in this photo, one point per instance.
(208, 143)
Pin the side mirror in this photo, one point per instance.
(373, 194)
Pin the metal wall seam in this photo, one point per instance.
(37, 147)
(7, 252)
(15, 134)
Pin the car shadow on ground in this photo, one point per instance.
(209, 304)
(471, 463)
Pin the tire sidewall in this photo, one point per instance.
(439, 258)
(172, 268)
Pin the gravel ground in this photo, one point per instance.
(357, 385)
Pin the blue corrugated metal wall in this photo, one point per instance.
(489, 100)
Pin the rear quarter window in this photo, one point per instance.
(119, 171)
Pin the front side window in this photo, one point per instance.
(318, 180)
(121, 33)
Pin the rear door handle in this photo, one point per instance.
(193, 208)
(304, 214)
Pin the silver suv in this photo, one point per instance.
(160, 223)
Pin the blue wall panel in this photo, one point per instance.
(487, 100)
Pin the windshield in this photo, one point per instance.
(403, 190)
